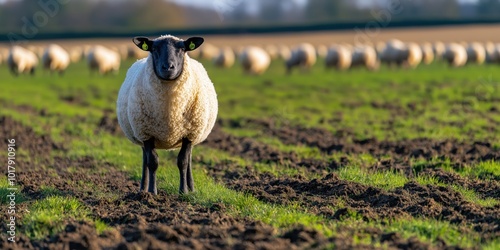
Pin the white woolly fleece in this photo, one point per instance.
(167, 110)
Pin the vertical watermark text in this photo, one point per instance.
(12, 189)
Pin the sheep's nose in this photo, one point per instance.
(168, 66)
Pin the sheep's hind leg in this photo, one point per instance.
(145, 171)
(183, 163)
(152, 162)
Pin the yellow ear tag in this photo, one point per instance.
(192, 46)
(145, 46)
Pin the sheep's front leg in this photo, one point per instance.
(183, 163)
(152, 163)
(145, 171)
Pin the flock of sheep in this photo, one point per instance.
(256, 60)
(57, 59)
(395, 53)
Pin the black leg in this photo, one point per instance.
(152, 162)
(190, 180)
(183, 161)
(145, 171)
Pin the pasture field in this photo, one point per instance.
(391, 159)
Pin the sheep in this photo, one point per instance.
(379, 47)
(167, 101)
(103, 59)
(392, 53)
(364, 55)
(21, 60)
(475, 53)
(36, 49)
(399, 53)
(284, 52)
(75, 54)
(4, 53)
(438, 49)
(491, 55)
(208, 52)
(254, 60)
(427, 53)
(455, 54)
(338, 56)
(55, 58)
(321, 51)
(414, 55)
(272, 51)
(225, 59)
(303, 55)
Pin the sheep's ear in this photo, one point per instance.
(193, 43)
(143, 43)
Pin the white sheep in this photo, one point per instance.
(427, 53)
(225, 59)
(272, 51)
(400, 53)
(55, 58)
(254, 60)
(103, 59)
(167, 101)
(76, 54)
(321, 51)
(475, 53)
(208, 51)
(4, 53)
(365, 56)
(303, 55)
(339, 57)
(455, 54)
(21, 60)
(414, 56)
(491, 55)
(438, 49)
(284, 52)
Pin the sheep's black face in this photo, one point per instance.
(168, 54)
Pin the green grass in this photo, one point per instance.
(312, 100)
(5, 190)
(46, 216)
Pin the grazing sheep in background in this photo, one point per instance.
(414, 55)
(497, 53)
(103, 59)
(4, 53)
(254, 60)
(37, 50)
(438, 49)
(303, 55)
(427, 53)
(491, 55)
(339, 57)
(284, 52)
(455, 54)
(76, 54)
(55, 58)
(400, 53)
(476, 53)
(365, 56)
(393, 52)
(167, 101)
(379, 48)
(225, 59)
(272, 51)
(21, 60)
(321, 51)
(208, 51)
